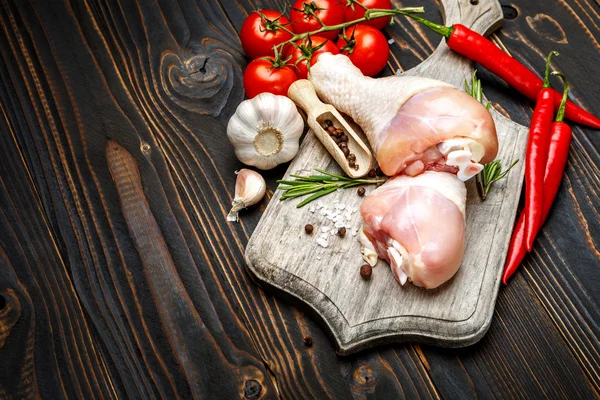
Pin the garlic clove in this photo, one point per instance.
(265, 131)
(250, 188)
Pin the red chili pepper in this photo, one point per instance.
(536, 156)
(483, 51)
(560, 140)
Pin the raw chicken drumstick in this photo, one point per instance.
(418, 226)
(413, 124)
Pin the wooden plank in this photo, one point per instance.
(81, 74)
(192, 165)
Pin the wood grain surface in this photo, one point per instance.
(119, 277)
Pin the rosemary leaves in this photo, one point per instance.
(491, 172)
(318, 185)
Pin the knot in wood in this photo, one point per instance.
(203, 82)
(10, 312)
(145, 148)
(364, 376)
(252, 389)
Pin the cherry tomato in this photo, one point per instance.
(331, 12)
(367, 48)
(267, 75)
(309, 48)
(261, 31)
(359, 12)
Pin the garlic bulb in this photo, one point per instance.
(265, 130)
(250, 187)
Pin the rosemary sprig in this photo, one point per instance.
(318, 185)
(491, 172)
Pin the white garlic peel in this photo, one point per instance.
(250, 187)
(265, 131)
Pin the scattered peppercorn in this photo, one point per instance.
(361, 191)
(351, 157)
(328, 123)
(372, 173)
(378, 171)
(308, 228)
(352, 164)
(308, 342)
(342, 232)
(366, 271)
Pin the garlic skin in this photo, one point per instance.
(265, 131)
(250, 188)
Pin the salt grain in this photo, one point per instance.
(322, 242)
(391, 41)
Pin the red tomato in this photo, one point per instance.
(309, 48)
(260, 33)
(368, 49)
(331, 12)
(359, 12)
(268, 76)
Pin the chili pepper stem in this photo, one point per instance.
(547, 71)
(560, 115)
(445, 31)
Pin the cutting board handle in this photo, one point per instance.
(446, 65)
(484, 17)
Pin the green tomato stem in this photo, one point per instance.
(369, 15)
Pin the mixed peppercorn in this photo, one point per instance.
(341, 139)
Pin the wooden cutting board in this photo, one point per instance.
(326, 281)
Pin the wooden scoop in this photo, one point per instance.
(302, 92)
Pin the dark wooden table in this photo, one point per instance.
(119, 276)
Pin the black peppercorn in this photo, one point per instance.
(366, 271)
(328, 123)
(344, 138)
(351, 157)
(308, 228)
(345, 150)
(331, 130)
(339, 132)
(361, 191)
(351, 164)
(308, 342)
(341, 232)
(372, 173)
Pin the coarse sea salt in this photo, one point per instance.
(322, 242)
